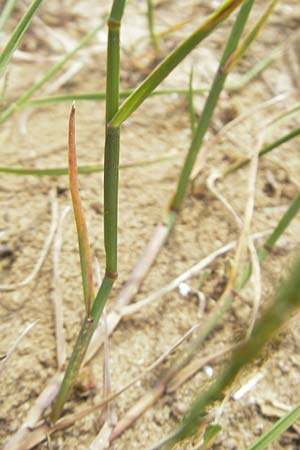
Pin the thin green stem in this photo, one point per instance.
(266, 149)
(192, 113)
(17, 35)
(91, 168)
(276, 430)
(24, 98)
(87, 330)
(82, 233)
(110, 209)
(210, 105)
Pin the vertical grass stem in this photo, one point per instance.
(111, 163)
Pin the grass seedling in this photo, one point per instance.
(111, 176)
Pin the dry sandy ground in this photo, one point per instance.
(36, 137)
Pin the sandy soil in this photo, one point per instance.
(36, 137)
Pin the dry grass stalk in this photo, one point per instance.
(5, 358)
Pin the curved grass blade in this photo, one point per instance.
(276, 430)
(84, 246)
(17, 35)
(90, 168)
(23, 99)
(172, 60)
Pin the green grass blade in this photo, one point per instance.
(6, 12)
(112, 140)
(265, 150)
(172, 60)
(251, 36)
(209, 107)
(276, 430)
(287, 300)
(101, 95)
(23, 99)
(82, 233)
(192, 113)
(90, 168)
(285, 138)
(280, 228)
(17, 35)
